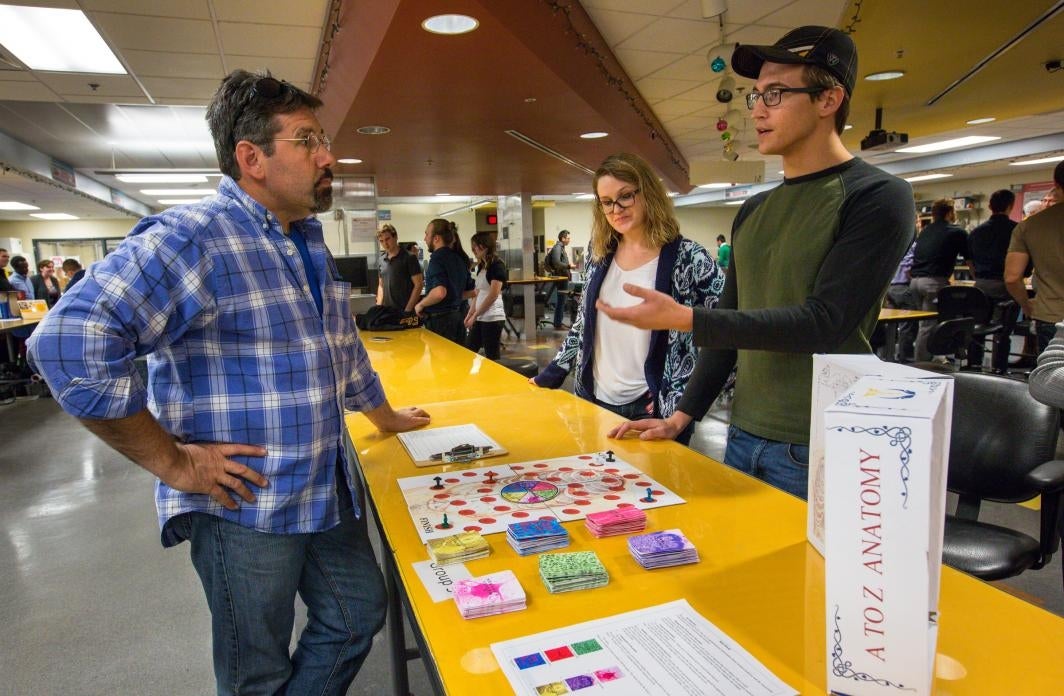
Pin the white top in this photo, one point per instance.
(483, 286)
(621, 350)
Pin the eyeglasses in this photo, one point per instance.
(773, 97)
(312, 142)
(624, 201)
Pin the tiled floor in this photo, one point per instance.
(92, 604)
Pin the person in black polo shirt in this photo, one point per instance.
(937, 249)
(400, 273)
(446, 282)
(989, 243)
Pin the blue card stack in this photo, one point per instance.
(536, 536)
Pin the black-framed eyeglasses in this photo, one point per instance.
(773, 96)
(312, 142)
(624, 201)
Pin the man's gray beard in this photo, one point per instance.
(322, 200)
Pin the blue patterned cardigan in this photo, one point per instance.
(688, 273)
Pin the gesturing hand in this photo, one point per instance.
(205, 467)
(657, 310)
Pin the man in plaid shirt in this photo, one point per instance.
(253, 357)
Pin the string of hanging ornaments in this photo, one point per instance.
(731, 123)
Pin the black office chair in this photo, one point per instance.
(956, 301)
(952, 337)
(1001, 449)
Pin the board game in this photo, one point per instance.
(488, 499)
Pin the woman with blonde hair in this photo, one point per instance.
(635, 239)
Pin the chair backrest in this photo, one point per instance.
(963, 301)
(1000, 433)
(951, 337)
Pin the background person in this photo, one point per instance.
(73, 271)
(400, 277)
(558, 264)
(486, 315)
(45, 284)
(445, 283)
(253, 357)
(635, 239)
(937, 248)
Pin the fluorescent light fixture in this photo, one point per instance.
(162, 178)
(178, 192)
(740, 202)
(584, 195)
(46, 38)
(950, 144)
(847, 127)
(1043, 160)
(927, 177)
(716, 185)
(885, 75)
(163, 145)
(443, 194)
(593, 135)
(450, 24)
(349, 160)
(179, 201)
(54, 216)
(979, 121)
(15, 205)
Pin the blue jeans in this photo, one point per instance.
(784, 465)
(251, 579)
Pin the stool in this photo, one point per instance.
(523, 366)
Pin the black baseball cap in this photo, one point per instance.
(828, 48)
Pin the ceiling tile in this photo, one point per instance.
(26, 91)
(639, 64)
(680, 35)
(693, 67)
(75, 85)
(158, 34)
(653, 7)
(298, 71)
(188, 9)
(160, 64)
(671, 108)
(306, 13)
(685, 124)
(753, 33)
(89, 99)
(819, 12)
(655, 89)
(269, 40)
(750, 12)
(617, 26)
(180, 87)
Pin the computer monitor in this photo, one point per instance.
(354, 270)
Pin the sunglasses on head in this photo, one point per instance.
(265, 88)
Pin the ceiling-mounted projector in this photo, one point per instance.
(879, 139)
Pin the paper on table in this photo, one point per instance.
(422, 444)
(667, 649)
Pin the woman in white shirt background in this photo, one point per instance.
(635, 238)
(486, 314)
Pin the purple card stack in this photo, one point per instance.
(614, 522)
(496, 593)
(662, 549)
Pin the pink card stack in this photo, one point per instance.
(496, 593)
(613, 522)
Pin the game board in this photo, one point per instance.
(488, 499)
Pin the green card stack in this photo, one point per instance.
(578, 570)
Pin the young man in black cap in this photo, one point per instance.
(811, 260)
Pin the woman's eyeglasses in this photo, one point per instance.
(624, 201)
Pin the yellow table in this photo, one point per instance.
(7, 325)
(418, 367)
(890, 318)
(759, 581)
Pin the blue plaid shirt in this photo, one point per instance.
(217, 297)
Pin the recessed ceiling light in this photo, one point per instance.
(15, 205)
(179, 201)
(349, 160)
(717, 185)
(950, 144)
(847, 127)
(594, 134)
(374, 130)
(885, 75)
(54, 216)
(450, 24)
(162, 178)
(178, 192)
(978, 121)
(1042, 160)
(530, 100)
(46, 38)
(927, 177)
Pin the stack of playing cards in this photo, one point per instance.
(458, 548)
(662, 549)
(613, 522)
(536, 536)
(496, 593)
(579, 570)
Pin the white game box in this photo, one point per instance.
(886, 449)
